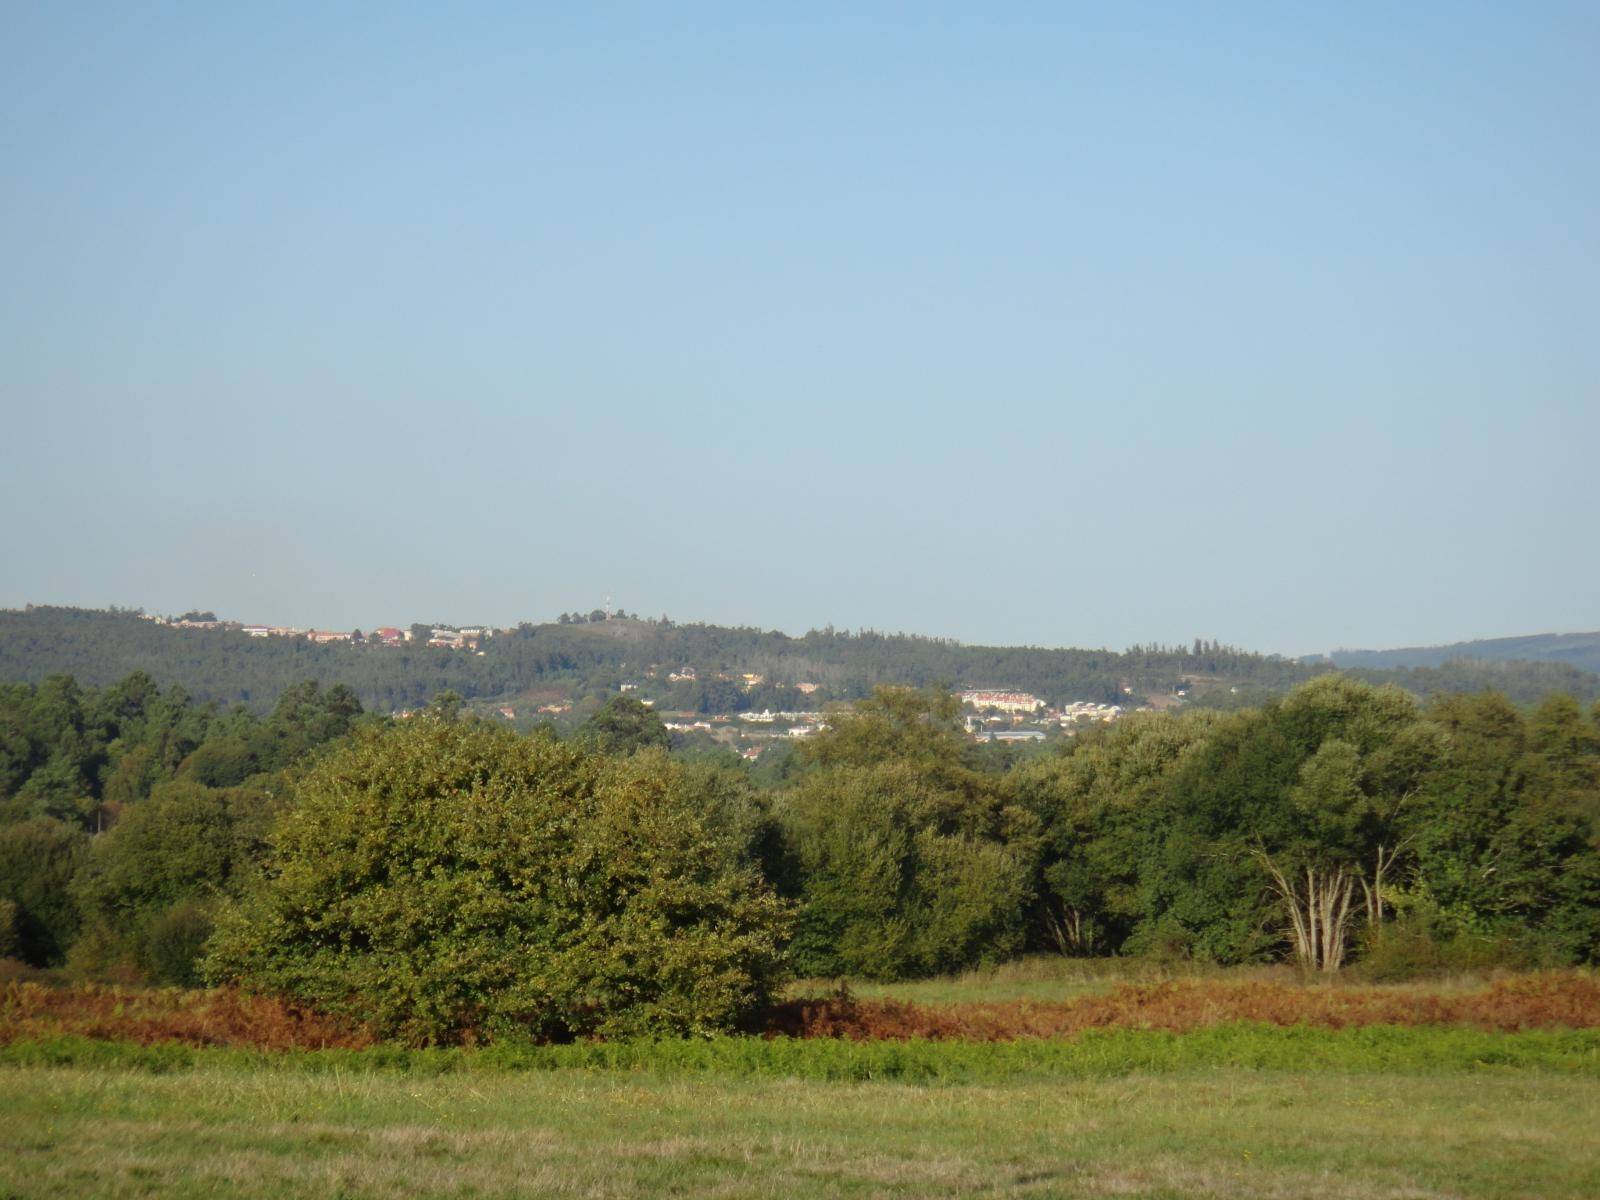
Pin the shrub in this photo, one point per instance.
(903, 874)
(1422, 942)
(148, 882)
(172, 941)
(38, 860)
(8, 928)
(446, 882)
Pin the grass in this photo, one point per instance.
(221, 1127)
(1171, 1084)
(1095, 1053)
(1041, 979)
(1052, 979)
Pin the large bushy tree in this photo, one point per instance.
(1099, 801)
(1505, 842)
(1315, 793)
(907, 862)
(444, 881)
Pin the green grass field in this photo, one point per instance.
(1356, 1113)
(208, 1131)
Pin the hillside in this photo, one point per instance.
(1581, 650)
(717, 668)
(99, 647)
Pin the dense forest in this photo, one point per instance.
(443, 877)
(591, 659)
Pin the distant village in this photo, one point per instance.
(988, 714)
(469, 637)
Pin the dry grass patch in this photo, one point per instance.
(147, 1016)
(1548, 1000)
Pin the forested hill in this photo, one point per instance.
(580, 661)
(1581, 650)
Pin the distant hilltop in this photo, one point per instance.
(571, 665)
(1581, 650)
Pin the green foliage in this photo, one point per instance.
(892, 724)
(625, 725)
(38, 859)
(161, 773)
(1505, 838)
(147, 885)
(9, 945)
(1372, 1050)
(906, 850)
(86, 755)
(906, 862)
(447, 881)
(173, 940)
(225, 762)
(1423, 943)
(1095, 800)
(1309, 787)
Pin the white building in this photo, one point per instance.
(1003, 701)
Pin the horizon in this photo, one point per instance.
(225, 618)
(1028, 326)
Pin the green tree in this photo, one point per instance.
(1315, 796)
(624, 725)
(221, 763)
(38, 860)
(451, 880)
(1562, 762)
(147, 886)
(906, 862)
(1504, 848)
(894, 723)
(1098, 799)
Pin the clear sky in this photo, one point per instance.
(1074, 325)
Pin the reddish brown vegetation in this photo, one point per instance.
(1556, 1000)
(218, 1017)
(222, 1017)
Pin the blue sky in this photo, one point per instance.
(1009, 323)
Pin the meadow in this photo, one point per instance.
(1166, 1083)
(259, 1130)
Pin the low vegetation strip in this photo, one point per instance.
(1095, 1053)
(149, 1016)
(224, 1017)
(1547, 1000)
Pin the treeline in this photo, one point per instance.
(186, 789)
(445, 878)
(1341, 820)
(592, 659)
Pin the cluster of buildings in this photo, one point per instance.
(468, 638)
(752, 726)
(1000, 715)
(1025, 703)
(1081, 712)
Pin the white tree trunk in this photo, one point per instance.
(1319, 913)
